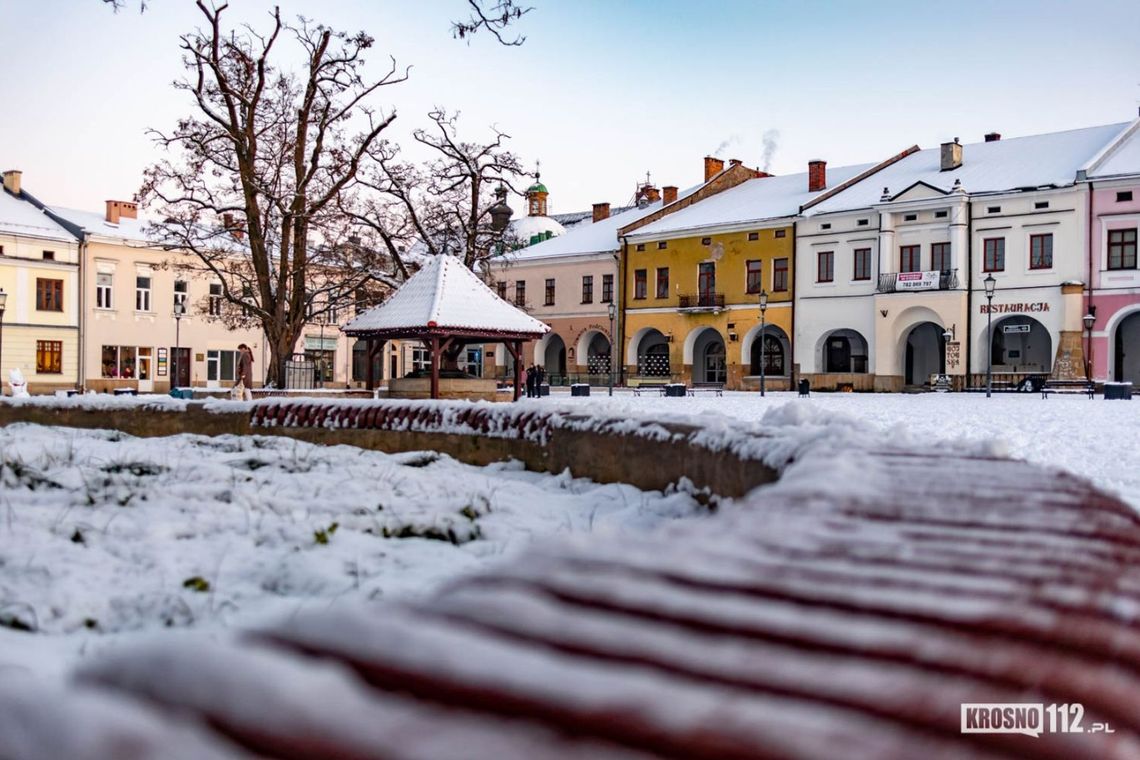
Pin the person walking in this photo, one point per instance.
(531, 381)
(245, 372)
(525, 380)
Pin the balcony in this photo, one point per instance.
(889, 282)
(702, 302)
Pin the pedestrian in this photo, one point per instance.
(541, 381)
(524, 380)
(244, 386)
(531, 381)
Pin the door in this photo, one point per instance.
(180, 367)
(838, 355)
(146, 379)
(706, 283)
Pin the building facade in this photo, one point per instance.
(1113, 296)
(39, 275)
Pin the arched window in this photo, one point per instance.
(773, 356)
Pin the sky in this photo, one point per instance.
(602, 91)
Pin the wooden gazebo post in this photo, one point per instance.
(369, 352)
(435, 367)
(515, 347)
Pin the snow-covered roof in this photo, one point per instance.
(527, 228)
(445, 295)
(21, 217)
(751, 201)
(591, 237)
(1120, 158)
(987, 167)
(95, 223)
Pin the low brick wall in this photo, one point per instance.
(651, 456)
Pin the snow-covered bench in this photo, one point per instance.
(847, 610)
(1077, 387)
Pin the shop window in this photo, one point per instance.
(49, 357)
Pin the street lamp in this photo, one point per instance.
(176, 365)
(763, 308)
(3, 302)
(613, 316)
(1089, 320)
(990, 284)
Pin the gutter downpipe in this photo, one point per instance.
(81, 321)
(970, 294)
(619, 318)
(793, 373)
(1091, 374)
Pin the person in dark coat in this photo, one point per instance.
(540, 381)
(531, 381)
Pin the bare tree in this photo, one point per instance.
(256, 175)
(442, 207)
(495, 19)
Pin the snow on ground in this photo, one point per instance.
(1097, 439)
(105, 537)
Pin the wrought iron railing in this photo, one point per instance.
(702, 301)
(888, 281)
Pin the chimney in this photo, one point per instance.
(817, 175)
(12, 181)
(652, 194)
(121, 210)
(713, 167)
(993, 136)
(734, 162)
(951, 155)
(670, 194)
(601, 211)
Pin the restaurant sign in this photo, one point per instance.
(1014, 308)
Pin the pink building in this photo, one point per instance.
(1113, 293)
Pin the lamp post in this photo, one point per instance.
(613, 316)
(176, 365)
(1089, 320)
(3, 303)
(990, 284)
(763, 309)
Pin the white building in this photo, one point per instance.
(890, 271)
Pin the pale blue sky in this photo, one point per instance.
(601, 91)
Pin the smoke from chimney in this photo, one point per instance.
(771, 142)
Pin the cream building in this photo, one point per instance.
(39, 275)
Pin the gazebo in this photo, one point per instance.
(446, 306)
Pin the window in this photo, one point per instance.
(49, 295)
(781, 233)
(941, 214)
(825, 226)
(862, 264)
(550, 291)
(940, 257)
(640, 285)
(1122, 249)
(863, 222)
(181, 293)
(520, 292)
(910, 258)
(1122, 197)
(502, 288)
(994, 255)
(49, 357)
(706, 282)
(1041, 204)
(641, 246)
(247, 298)
(119, 361)
(754, 275)
(607, 288)
(662, 282)
(142, 293)
(1041, 251)
(662, 245)
(49, 255)
(993, 209)
(220, 365)
(1, 250)
(753, 235)
(780, 275)
(825, 266)
(910, 218)
(104, 287)
(706, 241)
(215, 300)
(587, 288)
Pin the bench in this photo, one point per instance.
(1068, 387)
(717, 388)
(659, 388)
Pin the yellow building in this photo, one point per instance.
(692, 283)
(39, 275)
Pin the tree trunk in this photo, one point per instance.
(281, 344)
